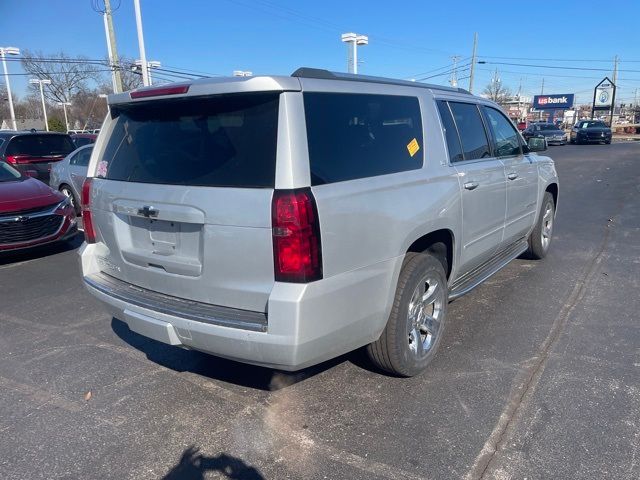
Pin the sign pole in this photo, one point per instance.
(613, 103)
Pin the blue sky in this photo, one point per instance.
(407, 38)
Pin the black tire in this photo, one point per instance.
(608, 142)
(68, 192)
(538, 247)
(394, 352)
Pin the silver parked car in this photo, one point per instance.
(283, 221)
(69, 174)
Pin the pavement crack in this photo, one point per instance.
(531, 375)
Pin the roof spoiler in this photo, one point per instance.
(318, 73)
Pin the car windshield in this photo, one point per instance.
(40, 145)
(8, 173)
(547, 127)
(592, 125)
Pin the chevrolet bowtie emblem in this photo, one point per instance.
(148, 211)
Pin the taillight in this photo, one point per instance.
(17, 159)
(160, 91)
(296, 236)
(87, 220)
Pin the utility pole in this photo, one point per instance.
(64, 107)
(111, 47)
(353, 40)
(454, 74)
(41, 82)
(473, 61)
(615, 86)
(143, 55)
(541, 93)
(3, 52)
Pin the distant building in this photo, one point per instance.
(23, 124)
(517, 107)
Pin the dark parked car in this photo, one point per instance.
(34, 151)
(31, 213)
(551, 132)
(82, 139)
(590, 131)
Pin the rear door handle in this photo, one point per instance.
(512, 176)
(471, 185)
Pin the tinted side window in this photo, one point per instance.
(506, 141)
(357, 136)
(451, 133)
(82, 159)
(74, 158)
(472, 134)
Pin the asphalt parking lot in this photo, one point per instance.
(538, 374)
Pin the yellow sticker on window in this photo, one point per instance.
(413, 147)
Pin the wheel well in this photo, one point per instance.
(440, 243)
(553, 189)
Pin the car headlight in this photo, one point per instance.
(63, 205)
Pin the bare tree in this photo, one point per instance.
(131, 74)
(28, 107)
(68, 75)
(4, 103)
(496, 91)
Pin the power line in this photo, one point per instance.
(556, 67)
(287, 13)
(558, 59)
(449, 65)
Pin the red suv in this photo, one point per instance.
(31, 213)
(34, 151)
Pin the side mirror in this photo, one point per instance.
(31, 173)
(537, 144)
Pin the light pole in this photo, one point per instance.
(150, 64)
(42, 81)
(143, 55)
(354, 40)
(242, 73)
(9, 51)
(64, 107)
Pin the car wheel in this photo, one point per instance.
(67, 192)
(608, 142)
(417, 320)
(540, 237)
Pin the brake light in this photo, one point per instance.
(17, 159)
(296, 236)
(87, 220)
(158, 92)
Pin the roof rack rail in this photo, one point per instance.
(307, 72)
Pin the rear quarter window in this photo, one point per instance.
(353, 136)
(219, 141)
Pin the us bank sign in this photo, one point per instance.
(553, 102)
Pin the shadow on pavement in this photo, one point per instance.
(193, 466)
(42, 251)
(216, 368)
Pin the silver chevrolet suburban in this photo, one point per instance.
(283, 221)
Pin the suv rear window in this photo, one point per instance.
(219, 141)
(40, 145)
(357, 136)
